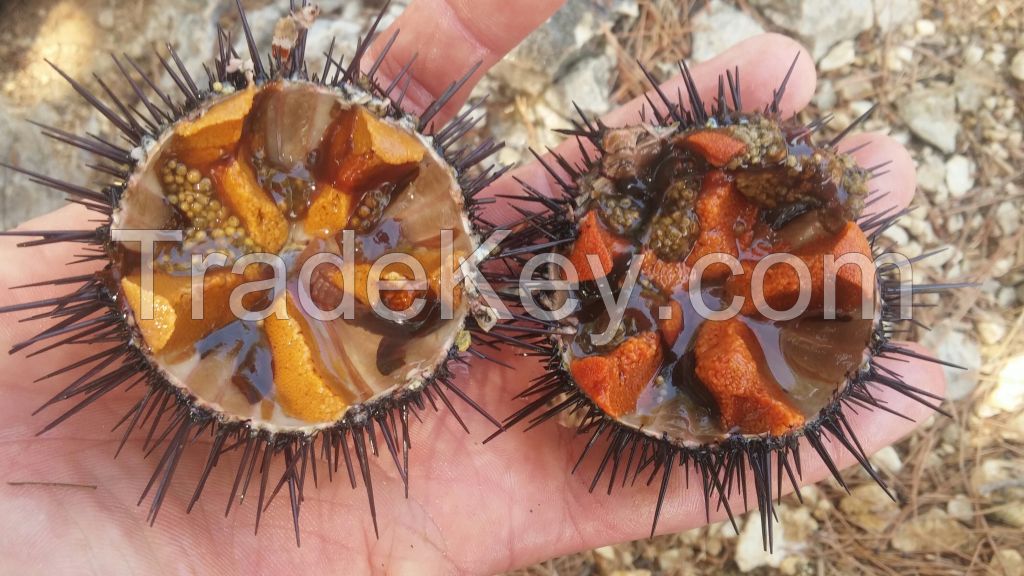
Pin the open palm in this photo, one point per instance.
(66, 507)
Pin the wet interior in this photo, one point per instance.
(283, 170)
(669, 199)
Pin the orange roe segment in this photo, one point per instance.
(157, 330)
(262, 220)
(672, 326)
(731, 365)
(781, 285)
(367, 152)
(217, 131)
(726, 220)
(716, 146)
(594, 239)
(667, 276)
(176, 328)
(614, 381)
(329, 211)
(300, 390)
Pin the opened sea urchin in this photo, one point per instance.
(710, 297)
(279, 252)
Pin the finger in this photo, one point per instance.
(586, 520)
(448, 38)
(896, 177)
(759, 77)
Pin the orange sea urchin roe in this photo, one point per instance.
(730, 363)
(616, 380)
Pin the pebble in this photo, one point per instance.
(925, 27)
(888, 460)
(1001, 483)
(991, 332)
(973, 54)
(1017, 66)
(961, 349)
(1007, 562)
(1006, 297)
(1008, 393)
(934, 531)
(959, 175)
(794, 530)
(897, 235)
(931, 115)
(960, 508)
(841, 55)
(870, 508)
(1008, 218)
(719, 27)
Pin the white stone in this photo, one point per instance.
(960, 507)
(1007, 562)
(959, 175)
(920, 229)
(931, 115)
(718, 27)
(955, 223)
(957, 348)
(1008, 394)
(1008, 218)
(991, 332)
(897, 235)
(973, 54)
(1006, 297)
(931, 174)
(841, 55)
(888, 460)
(925, 27)
(1017, 66)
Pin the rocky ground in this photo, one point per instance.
(948, 76)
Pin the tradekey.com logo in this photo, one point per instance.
(820, 282)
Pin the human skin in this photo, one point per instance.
(471, 509)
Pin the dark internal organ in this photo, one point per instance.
(746, 190)
(236, 185)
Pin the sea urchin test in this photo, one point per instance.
(278, 264)
(713, 296)
(281, 171)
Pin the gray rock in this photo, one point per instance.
(973, 84)
(549, 51)
(891, 14)
(958, 348)
(930, 113)
(587, 83)
(1000, 483)
(718, 27)
(820, 24)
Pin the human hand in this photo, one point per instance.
(471, 508)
